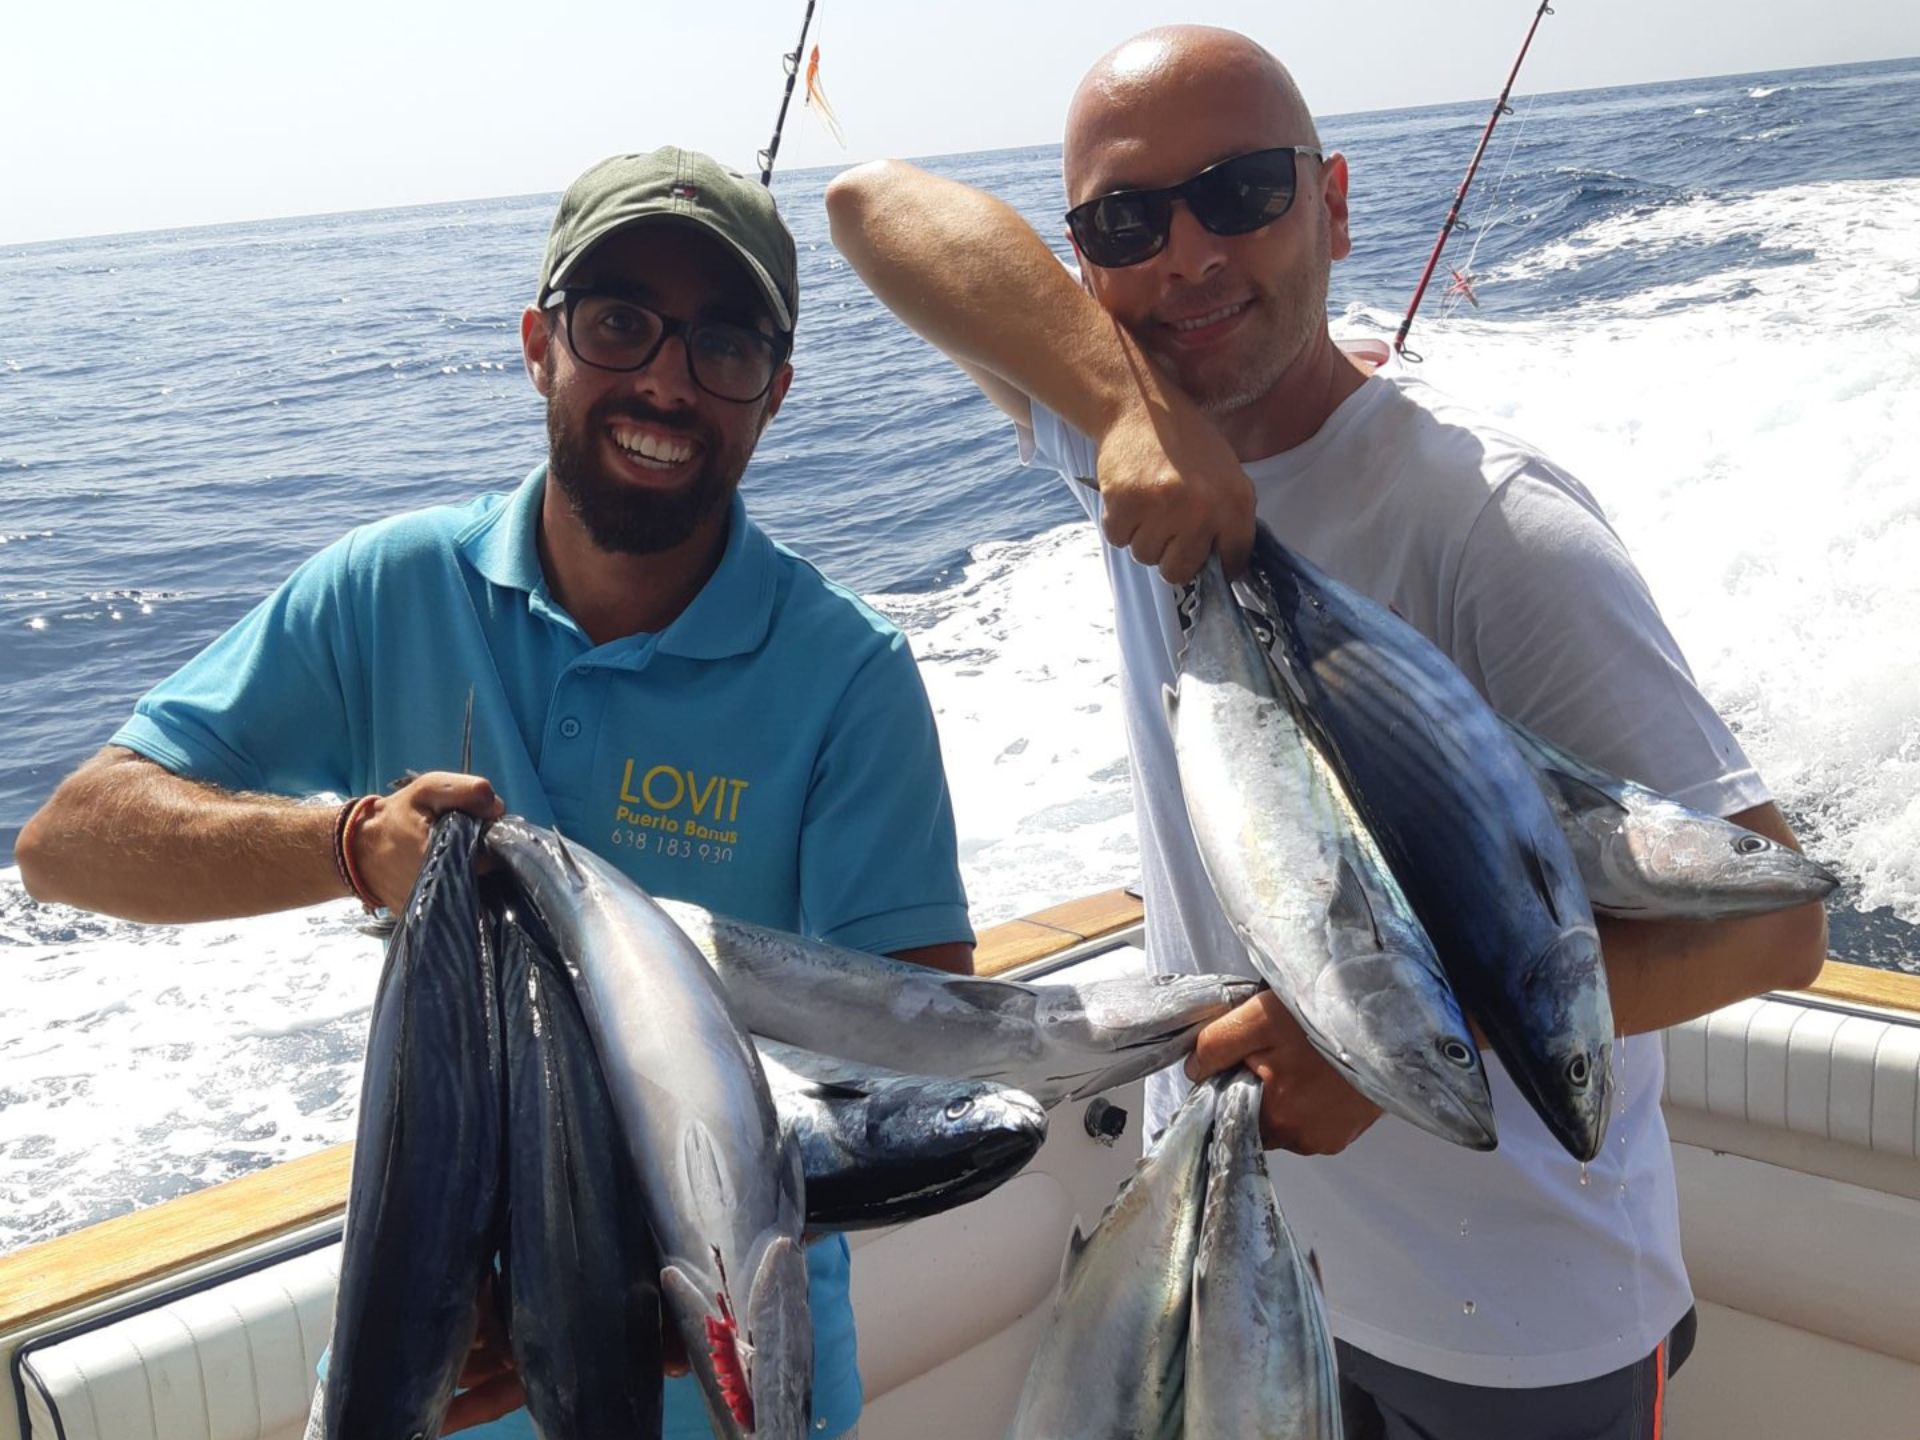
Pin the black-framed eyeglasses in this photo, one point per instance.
(611, 332)
(1235, 197)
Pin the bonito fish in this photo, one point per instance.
(1305, 886)
(882, 1148)
(1461, 819)
(1112, 1362)
(1651, 858)
(1055, 1042)
(1259, 1355)
(424, 1205)
(582, 1275)
(721, 1180)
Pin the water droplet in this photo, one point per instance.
(1466, 1307)
(821, 1423)
(1463, 1227)
(1623, 1187)
(1583, 1172)
(1619, 1289)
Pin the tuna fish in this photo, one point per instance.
(882, 1148)
(1112, 1362)
(424, 1204)
(1305, 886)
(1259, 1355)
(1460, 817)
(721, 1181)
(1644, 856)
(1055, 1042)
(582, 1275)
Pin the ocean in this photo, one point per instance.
(1699, 296)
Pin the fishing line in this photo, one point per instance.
(1481, 225)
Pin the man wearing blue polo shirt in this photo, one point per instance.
(651, 674)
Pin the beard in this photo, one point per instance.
(619, 517)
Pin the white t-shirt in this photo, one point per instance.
(1519, 1267)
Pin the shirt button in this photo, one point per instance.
(569, 728)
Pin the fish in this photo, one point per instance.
(1112, 1362)
(1306, 888)
(424, 1205)
(720, 1179)
(1644, 856)
(582, 1275)
(1055, 1042)
(882, 1148)
(1457, 812)
(1260, 1360)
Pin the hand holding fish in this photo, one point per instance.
(1171, 488)
(1305, 1104)
(387, 847)
(489, 1386)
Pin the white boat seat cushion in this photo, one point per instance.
(1849, 1078)
(234, 1362)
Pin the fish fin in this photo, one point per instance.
(1170, 702)
(1349, 908)
(466, 737)
(1542, 877)
(835, 1090)
(777, 1324)
(1077, 1242)
(997, 997)
(565, 852)
(703, 1168)
(1581, 796)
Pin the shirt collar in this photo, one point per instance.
(730, 616)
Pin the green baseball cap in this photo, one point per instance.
(683, 185)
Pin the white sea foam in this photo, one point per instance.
(1756, 454)
(1021, 665)
(141, 1062)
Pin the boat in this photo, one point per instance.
(1795, 1120)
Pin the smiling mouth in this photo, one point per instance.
(1192, 323)
(651, 448)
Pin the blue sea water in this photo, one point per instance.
(1700, 294)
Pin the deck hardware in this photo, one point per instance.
(1106, 1122)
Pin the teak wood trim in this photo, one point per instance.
(116, 1255)
(1863, 985)
(63, 1274)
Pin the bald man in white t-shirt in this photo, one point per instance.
(1513, 1294)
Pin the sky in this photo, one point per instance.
(124, 115)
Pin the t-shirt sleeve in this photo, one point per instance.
(266, 706)
(1052, 444)
(879, 863)
(1559, 630)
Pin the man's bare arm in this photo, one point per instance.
(966, 272)
(127, 837)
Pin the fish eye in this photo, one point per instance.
(1751, 844)
(958, 1107)
(1160, 982)
(1457, 1052)
(1579, 1071)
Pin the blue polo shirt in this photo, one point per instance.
(770, 754)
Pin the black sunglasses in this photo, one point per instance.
(1234, 197)
(610, 332)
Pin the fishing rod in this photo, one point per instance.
(1500, 107)
(792, 62)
